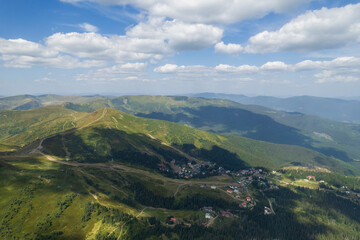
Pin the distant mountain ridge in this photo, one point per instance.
(334, 139)
(330, 108)
(337, 139)
(108, 134)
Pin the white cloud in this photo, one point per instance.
(167, 68)
(110, 48)
(87, 27)
(275, 66)
(342, 69)
(230, 48)
(179, 35)
(127, 71)
(19, 47)
(20, 53)
(207, 11)
(327, 76)
(223, 68)
(150, 40)
(184, 70)
(337, 63)
(314, 30)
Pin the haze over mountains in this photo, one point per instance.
(331, 108)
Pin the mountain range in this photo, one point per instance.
(173, 167)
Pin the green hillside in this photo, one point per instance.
(26, 102)
(111, 175)
(334, 139)
(108, 134)
(42, 199)
(340, 140)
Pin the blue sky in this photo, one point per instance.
(278, 48)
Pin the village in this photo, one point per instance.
(239, 190)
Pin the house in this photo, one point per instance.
(229, 190)
(173, 220)
(236, 191)
(243, 204)
(311, 177)
(225, 213)
(207, 215)
(248, 199)
(208, 209)
(267, 211)
(213, 187)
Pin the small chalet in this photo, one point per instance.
(243, 204)
(267, 211)
(225, 213)
(173, 220)
(248, 199)
(208, 209)
(229, 190)
(311, 177)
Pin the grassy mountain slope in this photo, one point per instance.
(26, 102)
(222, 116)
(40, 199)
(109, 134)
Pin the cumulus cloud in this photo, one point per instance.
(87, 27)
(230, 48)
(223, 68)
(149, 40)
(179, 35)
(328, 76)
(275, 66)
(20, 53)
(173, 68)
(206, 11)
(167, 68)
(314, 30)
(342, 69)
(111, 48)
(127, 71)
